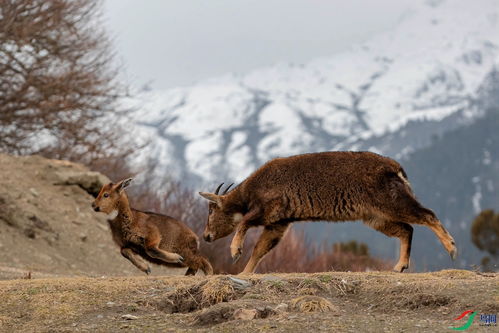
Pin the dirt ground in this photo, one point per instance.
(321, 302)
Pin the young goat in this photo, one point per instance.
(329, 186)
(157, 238)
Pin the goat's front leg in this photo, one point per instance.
(269, 238)
(236, 246)
(135, 259)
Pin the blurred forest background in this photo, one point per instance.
(61, 97)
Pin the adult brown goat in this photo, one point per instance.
(157, 238)
(328, 186)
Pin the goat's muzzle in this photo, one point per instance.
(208, 237)
(95, 207)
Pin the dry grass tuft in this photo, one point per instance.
(312, 304)
(456, 273)
(344, 287)
(217, 291)
(190, 298)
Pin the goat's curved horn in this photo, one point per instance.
(227, 189)
(218, 188)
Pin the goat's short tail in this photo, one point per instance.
(205, 266)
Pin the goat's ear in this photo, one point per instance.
(123, 184)
(212, 198)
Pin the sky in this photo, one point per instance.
(171, 43)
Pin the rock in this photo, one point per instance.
(90, 181)
(30, 233)
(245, 314)
(268, 278)
(258, 313)
(34, 192)
(239, 283)
(39, 223)
(281, 307)
(129, 317)
(213, 315)
(102, 226)
(264, 312)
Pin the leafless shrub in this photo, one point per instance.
(304, 255)
(57, 80)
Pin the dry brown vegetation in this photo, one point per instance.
(485, 236)
(329, 301)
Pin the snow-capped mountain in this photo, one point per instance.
(427, 71)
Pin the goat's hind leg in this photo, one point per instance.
(427, 217)
(205, 266)
(196, 262)
(135, 259)
(152, 249)
(409, 210)
(192, 263)
(169, 257)
(403, 232)
(414, 213)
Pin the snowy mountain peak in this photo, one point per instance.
(428, 69)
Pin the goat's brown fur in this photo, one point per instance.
(159, 239)
(328, 186)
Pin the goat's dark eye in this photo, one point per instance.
(106, 195)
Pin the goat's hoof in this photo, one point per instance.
(148, 270)
(235, 258)
(180, 259)
(453, 253)
(400, 269)
(236, 254)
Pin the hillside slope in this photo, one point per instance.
(47, 225)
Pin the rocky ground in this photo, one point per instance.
(328, 302)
